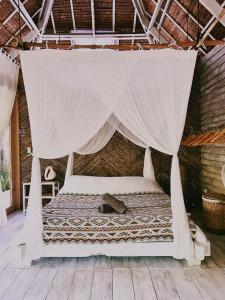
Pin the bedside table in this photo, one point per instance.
(49, 190)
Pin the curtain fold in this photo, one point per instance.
(148, 170)
(9, 72)
(72, 96)
(182, 235)
(69, 168)
(31, 233)
(66, 111)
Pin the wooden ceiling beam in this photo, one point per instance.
(72, 14)
(22, 27)
(192, 17)
(214, 8)
(134, 24)
(175, 23)
(18, 5)
(163, 14)
(93, 18)
(155, 13)
(42, 24)
(207, 32)
(53, 23)
(41, 10)
(12, 14)
(113, 15)
(144, 19)
(63, 45)
(73, 37)
(178, 26)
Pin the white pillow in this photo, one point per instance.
(112, 185)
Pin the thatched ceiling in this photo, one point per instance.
(67, 20)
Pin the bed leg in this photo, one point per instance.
(193, 262)
(19, 257)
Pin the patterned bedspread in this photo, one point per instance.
(72, 218)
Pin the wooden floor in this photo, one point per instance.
(103, 278)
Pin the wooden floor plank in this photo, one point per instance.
(163, 284)
(143, 286)
(21, 284)
(217, 250)
(7, 278)
(82, 285)
(138, 262)
(210, 282)
(163, 262)
(42, 283)
(85, 262)
(185, 285)
(102, 285)
(120, 262)
(62, 282)
(102, 261)
(103, 277)
(122, 284)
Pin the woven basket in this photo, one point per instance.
(214, 213)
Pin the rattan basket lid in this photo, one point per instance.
(214, 196)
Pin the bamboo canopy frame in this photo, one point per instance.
(68, 46)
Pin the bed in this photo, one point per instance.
(72, 225)
(84, 116)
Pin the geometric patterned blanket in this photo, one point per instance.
(74, 218)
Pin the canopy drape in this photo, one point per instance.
(8, 84)
(77, 99)
(102, 137)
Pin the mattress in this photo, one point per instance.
(74, 218)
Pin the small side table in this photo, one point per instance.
(49, 190)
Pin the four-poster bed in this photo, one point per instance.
(143, 95)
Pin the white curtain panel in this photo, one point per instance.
(8, 84)
(72, 94)
(100, 140)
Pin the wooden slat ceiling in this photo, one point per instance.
(181, 16)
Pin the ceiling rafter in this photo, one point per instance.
(175, 23)
(17, 4)
(134, 24)
(113, 15)
(192, 17)
(163, 14)
(144, 19)
(93, 18)
(72, 13)
(210, 28)
(27, 38)
(41, 10)
(71, 37)
(12, 14)
(214, 8)
(22, 27)
(44, 18)
(155, 13)
(53, 22)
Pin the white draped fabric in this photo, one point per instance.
(102, 137)
(8, 84)
(77, 99)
